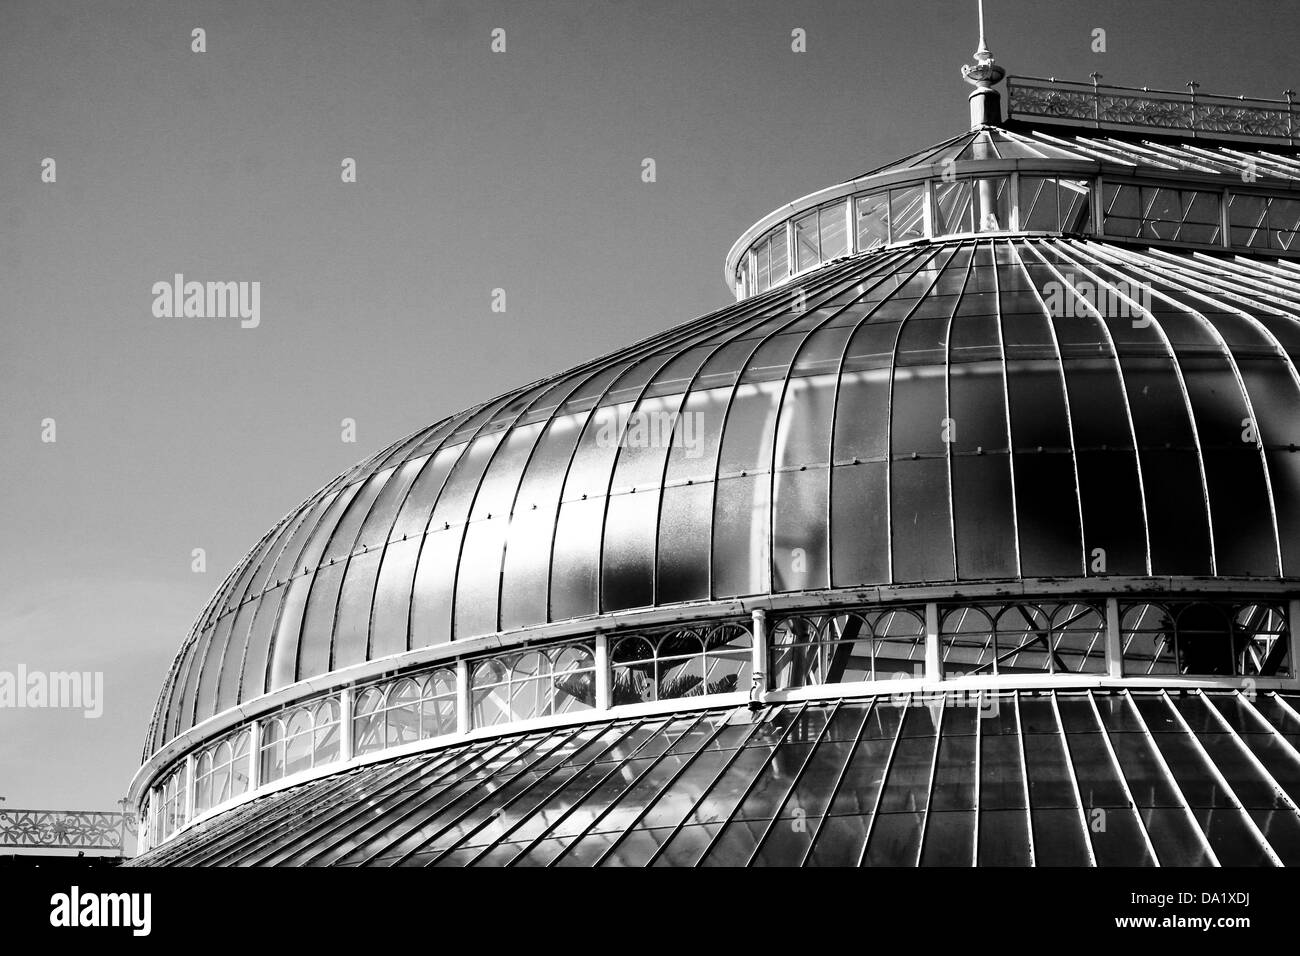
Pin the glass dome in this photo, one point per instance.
(1015, 416)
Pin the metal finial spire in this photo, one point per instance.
(982, 54)
(984, 72)
(984, 75)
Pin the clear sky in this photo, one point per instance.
(476, 171)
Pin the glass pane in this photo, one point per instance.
(873, 221)
(833, 226)
(807, 253)
(431, 608)
(906, 213)
(994, 198)
(780, 256)
(352, 638)
(392, 603)
(952, 207)
(478, 577)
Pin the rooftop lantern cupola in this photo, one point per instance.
(984, 75)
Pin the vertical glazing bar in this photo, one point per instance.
(1104, 737)
(1233, 800)
(1098, 209)
(933, 778)
(1013, 188)
(190, 787)
(933, 664)
(462, 696)
(985, 697)
(602, 671)
(1024, 776)
(1114, 645)
(759, 652)
(1225, 221)
(1170, 780)
(254, 755)
(1074, 780)
(346, 701)
(1293, 615)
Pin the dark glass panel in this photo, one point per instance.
(922, 528)
(1274, 398)
(1003, 837)
(1038, 212)
(1044, 470)
(859, 522)
(862, 415)
(1059, 838)
(895, 840)
(1002, 782)
(981, 481)
(920, 414)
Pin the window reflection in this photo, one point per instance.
(533, 683)
(404, 711)
(221, 772)
(842, 648)
(1205, 638)
(1023, 638)
(299, 739)
(682, 662)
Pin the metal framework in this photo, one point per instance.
(1176, 778)
(1101, 105)
(976, 649)
(759, 376)
(64, 829)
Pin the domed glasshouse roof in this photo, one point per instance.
(1017, 416)
(911, 416)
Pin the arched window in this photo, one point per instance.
(1262, 641)
(539, 682)
(812, 649)
(221, 771)
(300, 739)
(681, 662)
(404, 711)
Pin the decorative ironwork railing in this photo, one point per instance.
(1098, 105)
(64, 829)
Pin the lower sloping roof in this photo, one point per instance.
(1080, 778)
